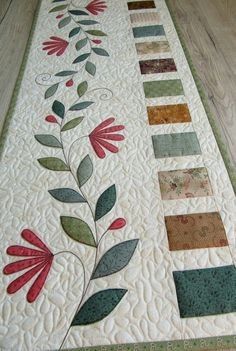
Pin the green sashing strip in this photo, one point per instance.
(214, 343)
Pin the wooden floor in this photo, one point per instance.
(209, 30)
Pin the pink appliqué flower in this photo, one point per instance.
(100, 134)
(55, 46)
(40, 260)
(96, 6)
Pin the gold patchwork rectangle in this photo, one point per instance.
(195, 231)
(168, 114)
(152, 17)
(152, 47)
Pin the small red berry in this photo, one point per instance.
(51, 119)
(117, 224)
(96, 41)
(59, 16)
(69, 83)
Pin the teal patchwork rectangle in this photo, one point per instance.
(148, 31)
(172, 87)
(204, 292)
(177, 144)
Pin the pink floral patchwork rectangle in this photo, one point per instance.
(184, 183)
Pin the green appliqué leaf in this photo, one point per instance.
(96, 32)
(78, 13)
(58, 108)
(82, 88)
(81, 43)
(67, 195)
(53, 163)
(90, 68)
(81, 106)
(84, 171)
(87, 22)
(64, 22)
(51, 91)
(98, 306)
(58, 8)
(81, 58)
(78, 230)
(105, 202)
(115, 259)
(100, 51)
(65, 73)
(74, 31)
(48, 140)
(72, 124)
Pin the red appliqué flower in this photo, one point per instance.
(40, 260)
(96, 6)
(55, 46)
(100, 134)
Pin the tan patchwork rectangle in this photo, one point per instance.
(184, 183)
(168, 114)
(147, 17)
(152, 47)
(195, 231)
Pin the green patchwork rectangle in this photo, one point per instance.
(148, 31)
(177, 144)
(172, 87)
(204, 292)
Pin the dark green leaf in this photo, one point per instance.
(74, 31)
(51, 91)
(85, 170)
(98, 306)
(82, 88)
(105, 202)
(65, 73)
(96, 32)
(53, 163)
(81, 58)
(81, 106)
(64, 22)
(115, 259)
(72, 124)
(58, 8)
(100, 51)
(78, 13)
(90, 68)
(81, 43)
(78, 230)
(58, 0)
(58, 108)
(66, 195)
(48, 140)
(87, 22)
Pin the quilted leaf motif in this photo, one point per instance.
(115, 259)
(66, 195)
(53, 163)
(81, 106)
(78, 230)
(78, 13)
(90, 68)
(48, 140)
(51, 91)
(58, 108)
(74, 31)
(72, 124)
(100, 51)
(81, 43)
(85, 170)
(81, 58)
(82, 88)
(105, 202)
(58, 8)
(87, 22)
(64, 22)
(96, 32)
(98, 306)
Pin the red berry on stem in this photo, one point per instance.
(96, 41)
(117, 224)
(51, 119)
(59, 16)
(69, 83)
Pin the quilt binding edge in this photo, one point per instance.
(203, 344)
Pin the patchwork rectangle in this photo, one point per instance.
(177, 144)
(184, 183)
(172, 87)
(195, 231)
(139, 5)
(204, 292)
(151, 17)
(168, 114)
(148, 31)
(152, 47)
(157, 66)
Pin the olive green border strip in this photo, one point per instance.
(215, 128)
(12, 105)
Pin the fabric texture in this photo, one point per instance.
(161, 88)
(178, 113)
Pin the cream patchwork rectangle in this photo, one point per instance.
(146, 17)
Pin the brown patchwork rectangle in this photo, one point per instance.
(152, 47)
(168, 114)
(151, 17)
(139, 5)
(184, 183)
(195, 231)
(157, 66)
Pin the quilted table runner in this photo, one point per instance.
(117, 211)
